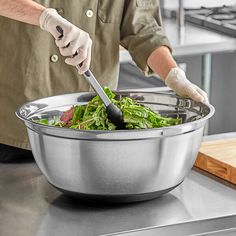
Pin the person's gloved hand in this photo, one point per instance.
(177, 81)
(74, 40)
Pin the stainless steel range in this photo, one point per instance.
(221, 19)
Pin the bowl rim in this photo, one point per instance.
(88, 134)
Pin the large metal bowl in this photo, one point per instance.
(120, 165)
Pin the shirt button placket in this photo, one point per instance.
(54, 58)
(89, 13)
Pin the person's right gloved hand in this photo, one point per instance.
(74, 40)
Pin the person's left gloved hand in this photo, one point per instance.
(177, 81)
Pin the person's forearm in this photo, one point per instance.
(161, 61)
(163, 64)
(26, 11)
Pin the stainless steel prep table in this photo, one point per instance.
(29, 206)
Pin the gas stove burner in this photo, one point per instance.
(219, 13)
(222, 10)
(231, 24)
(233, 9)
(221, 17)
(202, 11)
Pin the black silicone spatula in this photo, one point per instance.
(113, 112)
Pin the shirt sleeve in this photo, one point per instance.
(141, 31)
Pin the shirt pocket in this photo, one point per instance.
(110, 11)
(147, 4)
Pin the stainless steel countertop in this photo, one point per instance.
(29, 206)
(192, 41)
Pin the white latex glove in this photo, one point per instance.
(74, 40)
(177, 81)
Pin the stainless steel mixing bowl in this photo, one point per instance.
(120, 165)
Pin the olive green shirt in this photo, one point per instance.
(31, 66)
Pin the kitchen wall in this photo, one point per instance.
(197, 3)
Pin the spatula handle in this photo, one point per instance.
(88, 75)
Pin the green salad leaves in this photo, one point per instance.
(93, 116)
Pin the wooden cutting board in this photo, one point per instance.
(218, 158)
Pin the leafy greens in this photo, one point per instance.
(93, 116)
